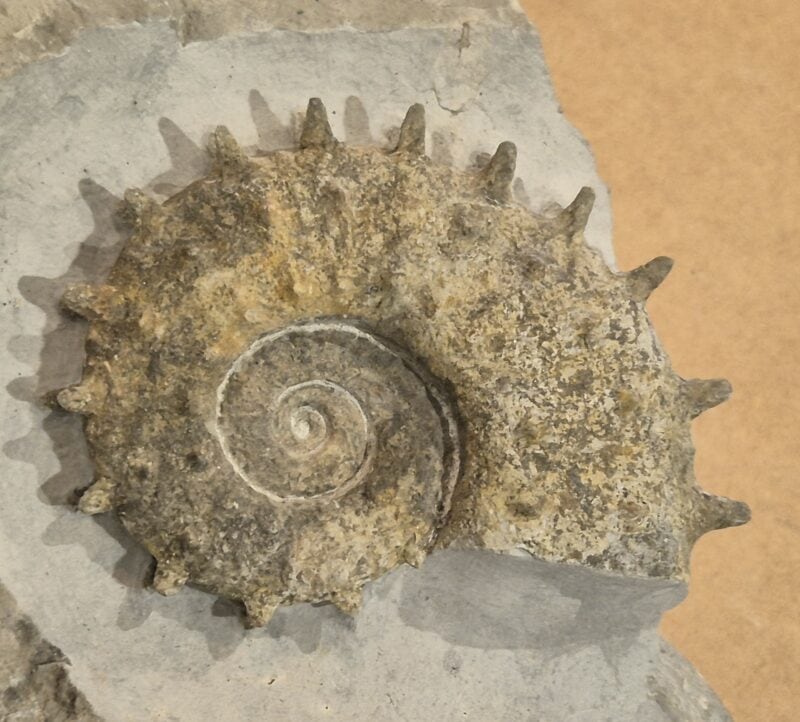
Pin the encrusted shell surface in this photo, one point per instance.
(314, 365)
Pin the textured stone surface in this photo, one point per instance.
(469, 635)
(34, 677)
(34, 29)
(137, 654)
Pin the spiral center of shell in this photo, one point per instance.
(305, 416)
(313, 410)
(308, 423)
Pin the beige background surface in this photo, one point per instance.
(692, 108)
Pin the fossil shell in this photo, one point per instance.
(314, 365)
(308, 412)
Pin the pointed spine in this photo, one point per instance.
(720, 512)
(645, 279)
(93, 302)
(138, 209)
(83, 398)
(260, 607)
(499, 173)
(412, 131)
(98, 498)
(170, 577)
(225, 152)
(576, 215)
(316, 129)
(348, 600)
(704, 394)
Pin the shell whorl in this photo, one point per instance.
(304, 413)
(260, 435)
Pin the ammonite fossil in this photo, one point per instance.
(312, 366)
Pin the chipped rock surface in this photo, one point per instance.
(476, 309)
(34, 675)
(33, 29)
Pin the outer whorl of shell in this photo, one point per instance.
(311, 366)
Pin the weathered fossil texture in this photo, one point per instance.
(314, 365)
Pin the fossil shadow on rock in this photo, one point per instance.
(487, 600)
(189, 160)
(272, 133)
(275, 134)
(440, 148)
(356, 123)
(304, 624)
(59, 353)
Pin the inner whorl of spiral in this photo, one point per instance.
(316, 409)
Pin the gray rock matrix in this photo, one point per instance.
(34, 675)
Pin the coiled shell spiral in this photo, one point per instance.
(312, 366)
(309, 412)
